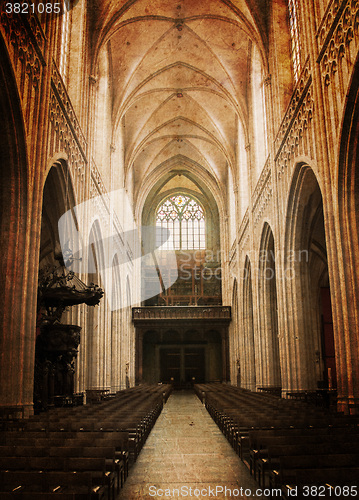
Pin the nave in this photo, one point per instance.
(179, 205)
(152, 442)
(186, 450)
(228, 125)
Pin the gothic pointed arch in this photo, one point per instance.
(269, 375)
(115, 344)
(348, 203)
(58, 198)
(92, 345)
(185, 217)
(52, 377)
(17, 315)
(249, 360)
(235, 351)
(309, 340)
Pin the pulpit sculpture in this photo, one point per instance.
(57, 343)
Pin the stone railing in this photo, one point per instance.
(63, 98)
(262, 193)
(26, 42)
(97, 186)
(338, 31)
(294, 106)
(329, 23)
(233, 252)
(26, 45)
(181, 313)
(299, 114)
(66, 133)
(243, 233)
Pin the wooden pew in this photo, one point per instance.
(61, 435)
(36, 482)
(289, 465)
(97, 466)
(324, 483)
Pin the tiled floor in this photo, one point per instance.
(186, 456)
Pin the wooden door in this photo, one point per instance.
(194, 364)
(170, 365)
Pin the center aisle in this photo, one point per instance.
(187, 456)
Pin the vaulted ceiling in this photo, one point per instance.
(180, 75)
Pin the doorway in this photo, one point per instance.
(182, 355)
(182, 365)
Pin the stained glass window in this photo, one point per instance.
(294, 33)
(184, 217)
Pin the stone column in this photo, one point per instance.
(139, 356)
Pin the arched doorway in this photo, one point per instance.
(58, 198)
(310, 340)
(235, 340)
(93, 349)
(57, 331)
(18, 303)
(347, 314)
(249, 368)
(116, 328)
(270, 369)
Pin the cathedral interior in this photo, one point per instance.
(179, 204)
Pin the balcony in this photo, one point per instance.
(216, 314)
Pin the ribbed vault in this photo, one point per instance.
(180, 74)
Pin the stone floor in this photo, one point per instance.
(187, 456)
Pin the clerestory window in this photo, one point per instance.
(294, 34)
(65, 40)
(184, 217)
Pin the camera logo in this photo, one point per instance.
(100, 239)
